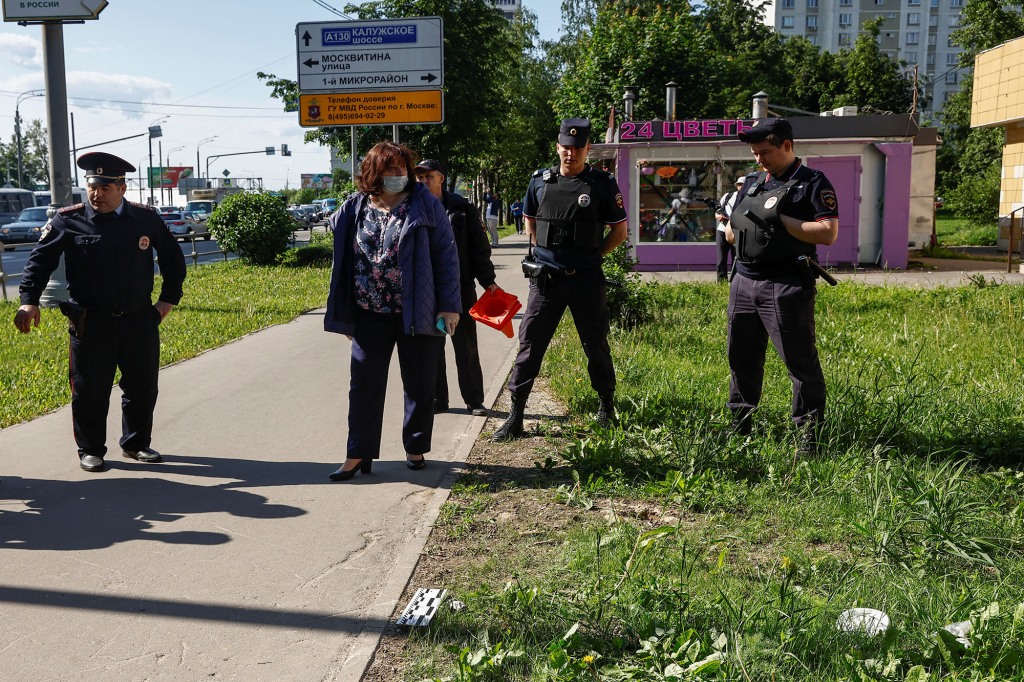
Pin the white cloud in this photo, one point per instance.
(116, 91)
(22, 50)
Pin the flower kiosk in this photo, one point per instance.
(882, 167)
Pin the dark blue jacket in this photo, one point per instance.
(426, 256)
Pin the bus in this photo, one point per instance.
(13, 201)
(42, 197)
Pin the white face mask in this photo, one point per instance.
(395, 184)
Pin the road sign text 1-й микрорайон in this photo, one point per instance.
(383, 54)
(52, 10)
(370, 108)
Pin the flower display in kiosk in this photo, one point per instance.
(666, 172)
(646, 168)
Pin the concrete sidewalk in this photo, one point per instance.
(237, 559)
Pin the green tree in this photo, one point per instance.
(35, 157)
(968, 161)
(869, 78)
(255, 226)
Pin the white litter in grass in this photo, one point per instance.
(871, 622)
(960, 631)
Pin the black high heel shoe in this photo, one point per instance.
(415, 464)
(343, 474)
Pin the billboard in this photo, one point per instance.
(168, 176)
(317, 181)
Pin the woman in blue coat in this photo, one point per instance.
(395, 283)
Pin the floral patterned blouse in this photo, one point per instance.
(378, 277)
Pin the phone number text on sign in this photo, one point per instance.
(384, 108)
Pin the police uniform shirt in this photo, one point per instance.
(108, 258)
(591, 188)
(812, 198)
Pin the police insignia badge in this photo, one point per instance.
(618, 200)
(45, 231)
(828, 197)
(583, 200)
(143, 243)
(771, 202)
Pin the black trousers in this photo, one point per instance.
(467, 364)
(130, 343)
(724, 250)
(373, 344)
(583, 294)
(783, 311)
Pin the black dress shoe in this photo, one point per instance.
(415, 464)
(479, 411)
(91, 463)
(343, 474)
(144, 455)
(440, 407)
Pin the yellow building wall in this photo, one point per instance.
(999, 85)
(1011, 189)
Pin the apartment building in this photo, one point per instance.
(508, 7)
(915, 31)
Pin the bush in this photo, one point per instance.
(630, 300)
(977, 196)
(255, 226)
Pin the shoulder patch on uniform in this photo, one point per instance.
(828, 198)
(46, 230)
(68, 209)
(618, 199)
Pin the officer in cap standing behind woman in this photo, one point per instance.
(108, 245)
(781, 214)
(567, 208)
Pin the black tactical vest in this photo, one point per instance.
(761, 237)
(567, 214)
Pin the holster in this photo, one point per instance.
(533, 269)
(76, 318)
(806, 274)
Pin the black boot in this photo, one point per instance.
(741, 421)
(606, 412)
(513, 425)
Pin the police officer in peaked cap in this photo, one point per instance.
(108, 245)
(779, 216)
(566, 210)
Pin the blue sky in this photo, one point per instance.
(192, 61)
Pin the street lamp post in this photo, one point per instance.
(170, 190)
(154, 131)
(17, 124)
(200, 144)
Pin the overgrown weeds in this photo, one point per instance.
(915, 508)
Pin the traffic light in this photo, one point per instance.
(284, 150)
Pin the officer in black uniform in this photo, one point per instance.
(566, 210)
(778, 218)
(108, 245)
(474, 264)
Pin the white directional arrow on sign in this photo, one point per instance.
(52, 10)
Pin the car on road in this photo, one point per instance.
(313, 211)
(301, 218)
(25, 229)
(184, 226)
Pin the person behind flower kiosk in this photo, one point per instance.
(781, 215)
(566, 210)
(108, 246)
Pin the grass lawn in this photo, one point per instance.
(953, 231)
(222, 302)
(668, 549)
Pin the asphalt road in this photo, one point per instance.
(197, 252)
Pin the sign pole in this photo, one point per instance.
(354, 152)
(57, 138)
(394, 133)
